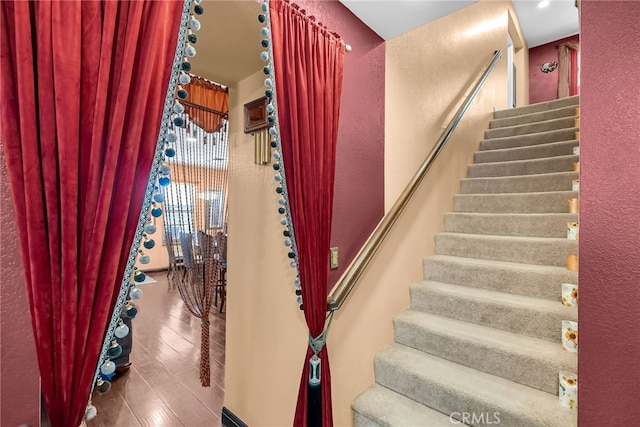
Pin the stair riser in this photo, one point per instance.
(532, 128)
(536, 373)
(522, 167)
(521, 320)
(528, 140)
(483, 333)
(551, 225)
(551, 202)
(533, 118)
(360, 420)
(446, 400)
(536, 251)
(379, 406)
(561, 181)
(535, 108)
(531, 281)
(564, 148)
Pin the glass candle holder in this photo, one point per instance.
(569, 294)
(570, 336)
(568, 389)
(572, 262)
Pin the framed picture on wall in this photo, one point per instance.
(255, 115)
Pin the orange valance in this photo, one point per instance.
(211, 96)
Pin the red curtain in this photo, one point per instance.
(81, 100)
(568, 68)
(574, 79)
(308, 67)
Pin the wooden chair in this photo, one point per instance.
(176, 264)
(220, 256)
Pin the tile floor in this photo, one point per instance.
(163, 387)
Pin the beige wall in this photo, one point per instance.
(266, 333)
(427, 70)
(521, 58)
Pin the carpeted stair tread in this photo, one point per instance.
(555, 181)
(482, 335)
(381, 407)
(526, 360)
(527, 250)
(539, 116)
(541, 106)
(528, 140)
(530, 128)
(513, 224)
(523, 167)
(562, 148)
(452, 388)
(538, 281)
(534, 317)
(533, 202)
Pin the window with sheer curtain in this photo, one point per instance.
(179, 199)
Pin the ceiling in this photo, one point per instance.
(540, 25)
(229, 41)
(228, 48)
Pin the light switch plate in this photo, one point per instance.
(333, 257)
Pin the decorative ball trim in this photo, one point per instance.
(184, 79)
(158, 178)
(280, 177)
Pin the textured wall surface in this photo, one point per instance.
(609, 276)
(544, 86)
(19, 375)
(427, 71)
(266, 332)
(359, 189)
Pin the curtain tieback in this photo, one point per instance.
(316, 345)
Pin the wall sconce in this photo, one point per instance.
(262, 147)
(256, 122)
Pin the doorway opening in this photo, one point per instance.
(162, 386)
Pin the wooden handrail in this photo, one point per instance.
(347, 281)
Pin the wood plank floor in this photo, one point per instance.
(163, 387)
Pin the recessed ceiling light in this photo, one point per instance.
(542, 4)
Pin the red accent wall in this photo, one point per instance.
(19, 374)
(609, 307)
(544, 86)
(359, 189)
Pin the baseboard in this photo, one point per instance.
(153, 270)
(229, 419)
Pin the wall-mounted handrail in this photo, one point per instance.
(353, 272)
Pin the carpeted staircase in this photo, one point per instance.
(483, 333)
